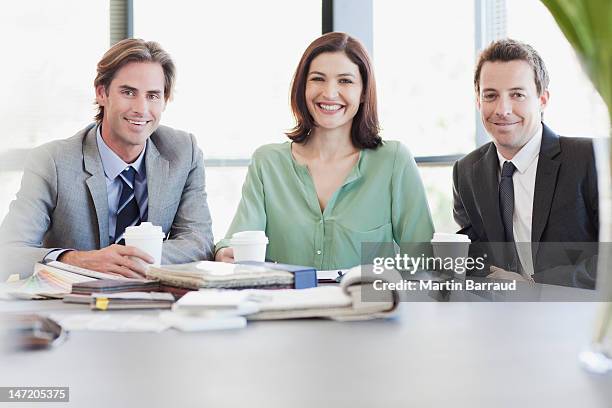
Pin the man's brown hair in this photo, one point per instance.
(510, 50)
(133, 50)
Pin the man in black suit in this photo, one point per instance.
(529, 188)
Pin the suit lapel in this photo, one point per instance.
(484, 175)
(157, 176)
(546, 182)
(96, 184)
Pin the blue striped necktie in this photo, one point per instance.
(506, 206)
(128, 212)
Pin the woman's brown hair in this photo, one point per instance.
(365, 128)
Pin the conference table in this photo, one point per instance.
(463, 354)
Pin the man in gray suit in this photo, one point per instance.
(78, 195)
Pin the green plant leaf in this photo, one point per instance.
(587, 25)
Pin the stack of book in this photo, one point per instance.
(219, 275)
(57, 280)
(115, 286)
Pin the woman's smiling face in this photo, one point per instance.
(334, 90)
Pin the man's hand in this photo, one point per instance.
(499, 273)
(225, 255)
(113, 259)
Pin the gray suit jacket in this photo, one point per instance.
(62, 202)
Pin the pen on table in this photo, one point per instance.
(339, 277)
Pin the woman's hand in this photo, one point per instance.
(225, 255)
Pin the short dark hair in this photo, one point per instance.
(133, 50)
(365, 129)
(510, 50)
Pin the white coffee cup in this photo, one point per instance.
(146, 237)
(249, 246)
(446, 245)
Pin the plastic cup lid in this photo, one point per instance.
(144, 230)
(249, 234)
(249, 237)
(234, 241)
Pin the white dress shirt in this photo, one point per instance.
(524, 178)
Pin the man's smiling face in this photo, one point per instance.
(509, 104)
(133, 104)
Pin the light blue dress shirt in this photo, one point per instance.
(113, 165)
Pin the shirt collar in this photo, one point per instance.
(523, 159)
(113, 164)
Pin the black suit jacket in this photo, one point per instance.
(565, 221)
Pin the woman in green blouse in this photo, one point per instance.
(336, 184)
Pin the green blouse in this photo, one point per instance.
(381, 200)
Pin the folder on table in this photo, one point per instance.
(219, 275)
(131, 300)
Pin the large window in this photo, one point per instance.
(48, 66)
(424, 60)
(575, 108)
(235, 60)
(438, 181)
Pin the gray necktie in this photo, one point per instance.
(506, 206)
(128, 212)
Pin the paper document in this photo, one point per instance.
(291, 299)
(86, 272)
(189, 323)
(45, 282)
(342, 302)
(216, 302)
